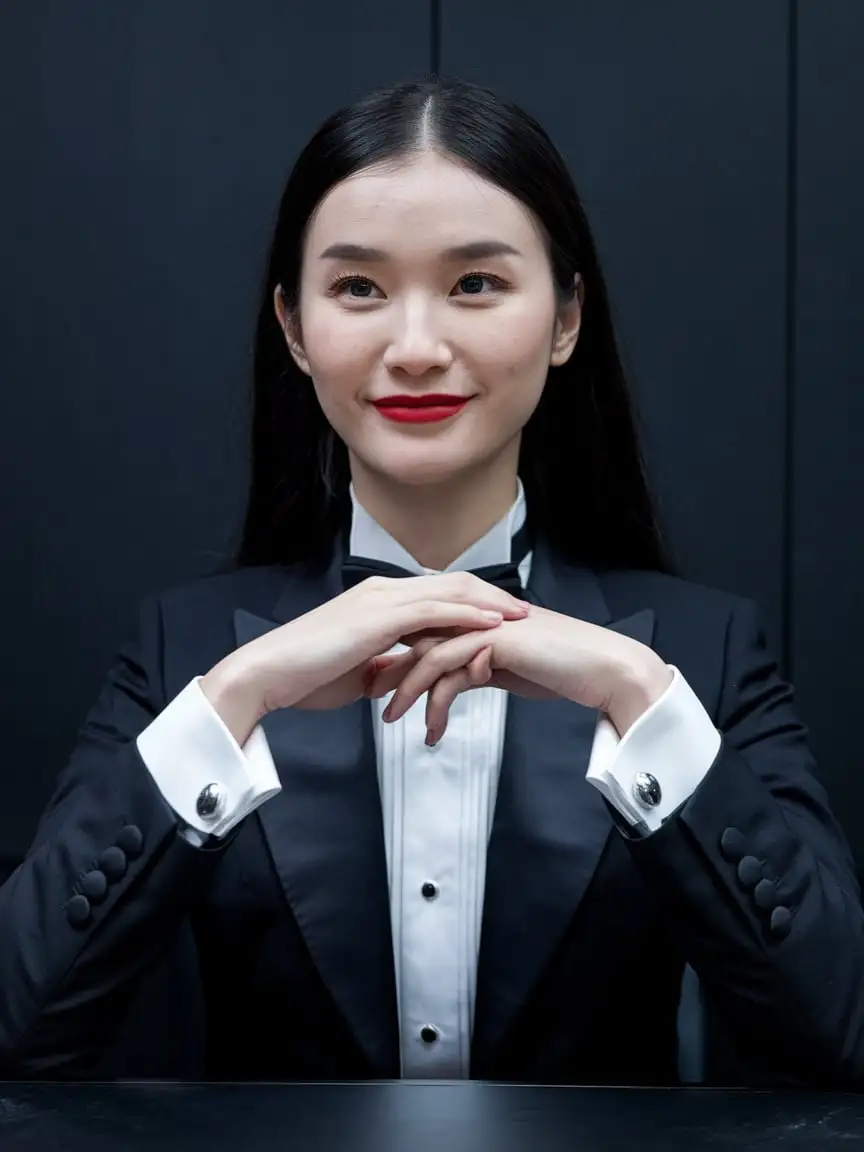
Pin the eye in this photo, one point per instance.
(354, 287)
(473, 283)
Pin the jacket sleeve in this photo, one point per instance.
(759, 884)
(104, 886)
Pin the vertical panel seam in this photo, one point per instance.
(791, 349)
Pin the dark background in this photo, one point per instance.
(717, 145)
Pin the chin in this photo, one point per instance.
(417, 468)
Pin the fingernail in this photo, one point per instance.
(385, 715)
(431, 738)
(496, 616)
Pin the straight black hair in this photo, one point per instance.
(580, 459)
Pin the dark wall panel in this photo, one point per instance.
(144, 147)
(828, 538)
(673, 118)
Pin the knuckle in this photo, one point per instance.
(434, 660)
(377, 583)
(463, 583)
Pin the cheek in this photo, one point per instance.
(516, 353)
(335, 345)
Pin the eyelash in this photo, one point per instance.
(353, 277)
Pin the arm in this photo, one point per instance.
(104, 886)
(758, 883)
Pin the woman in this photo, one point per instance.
(392, 866)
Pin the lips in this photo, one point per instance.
(424, 409)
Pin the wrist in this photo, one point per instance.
(638, 686)
(232, 693)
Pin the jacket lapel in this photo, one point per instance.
(324, 834)
(550, 825)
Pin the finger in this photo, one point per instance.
(437, 662)
(460, 588)
(436, 634)
(442, 694)
(431, 617)
(481, 668)
(390, 672)
(392, 666)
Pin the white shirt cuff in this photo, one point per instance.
(675, 741)
(188, 747)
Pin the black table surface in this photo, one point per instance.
(417, 1117)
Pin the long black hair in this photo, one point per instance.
(580, 460)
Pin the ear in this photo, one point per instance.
(567, 326)
(290, 328)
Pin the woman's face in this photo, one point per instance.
(419, 280)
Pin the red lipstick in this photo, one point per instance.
(421, 409)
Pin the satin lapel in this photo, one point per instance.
(324, 833)
(550, 825)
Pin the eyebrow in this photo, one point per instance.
(476, 250)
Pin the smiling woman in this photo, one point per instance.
(441, 306)
(432, 241)
(450, 775)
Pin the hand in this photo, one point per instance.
(542, 655)
(328, 657)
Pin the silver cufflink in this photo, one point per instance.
(646, 790)
(210, 801)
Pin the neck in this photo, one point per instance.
(436, 523)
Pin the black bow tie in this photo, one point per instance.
(505, 576)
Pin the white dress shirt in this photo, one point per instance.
(437, 804)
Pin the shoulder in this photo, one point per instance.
(254, 588)
(712, 636)
(185, 629)
(671, 597)
(198, 615)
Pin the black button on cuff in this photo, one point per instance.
(429, 1034)
(131, 841)
(78, 911)
(750, 871)
(765, 895)
(113, 863)
(94, 885)
(732, 845)
(429, 890)
(781, 921)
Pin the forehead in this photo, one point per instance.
(428, 200)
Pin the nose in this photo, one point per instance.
(417, 345)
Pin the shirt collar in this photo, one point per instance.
(369, 539)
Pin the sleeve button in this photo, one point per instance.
(113, 863)
(750, 871)
(732, 845)
(131, 841)
(781, 921)
(78, 911)
(765, 895)
(94, 885)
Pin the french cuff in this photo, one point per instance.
(200, 769)
(661, 759)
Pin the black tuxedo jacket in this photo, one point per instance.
(585, 930)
